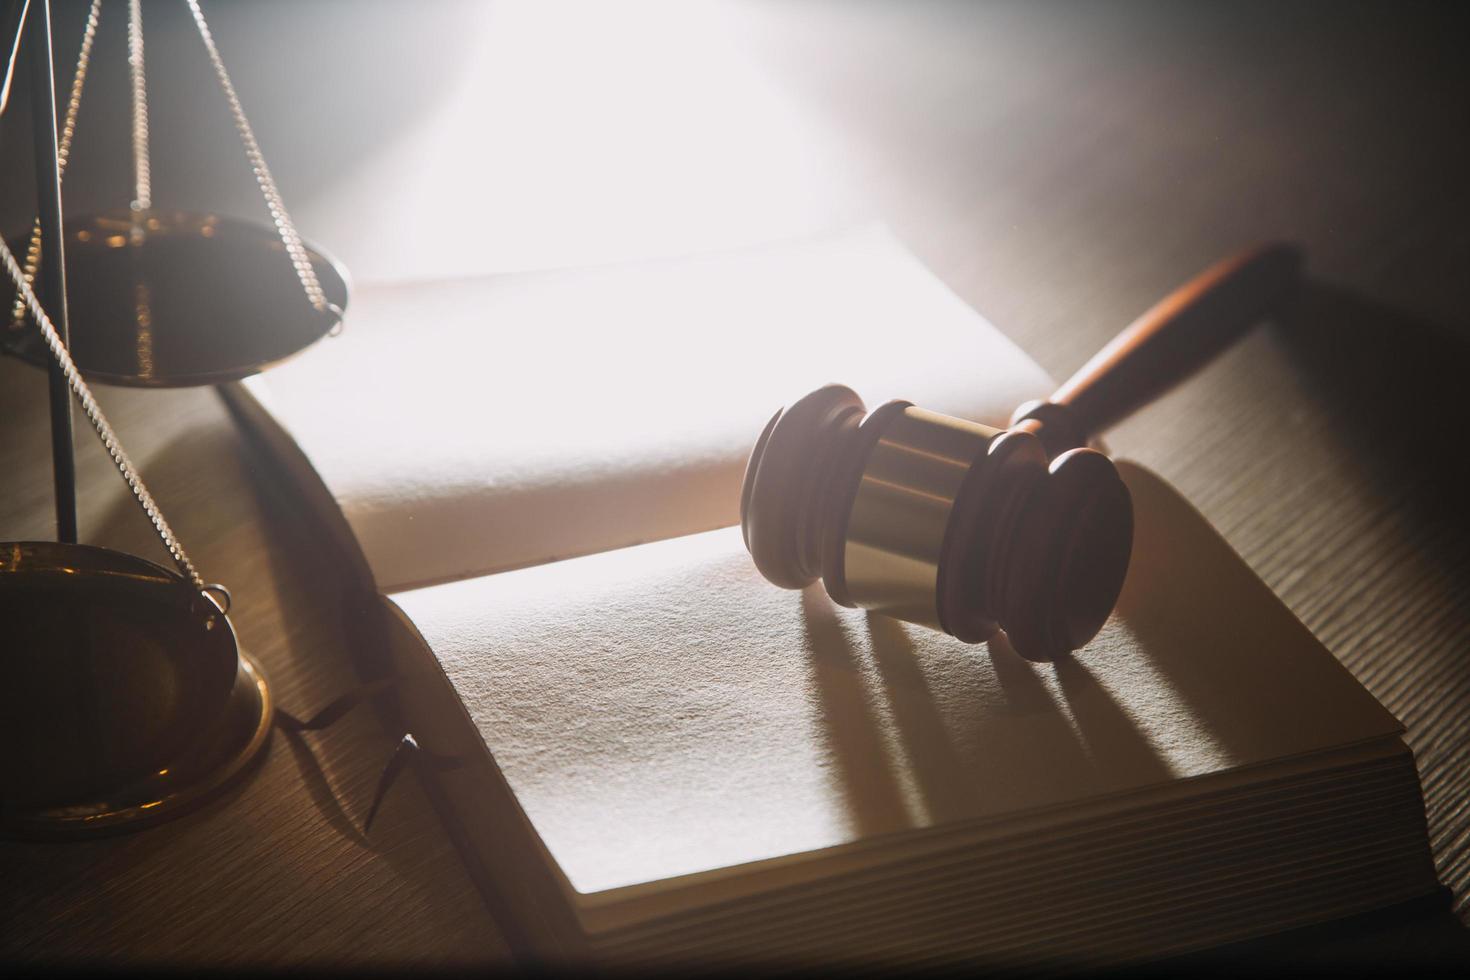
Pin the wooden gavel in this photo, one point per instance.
(966, 528)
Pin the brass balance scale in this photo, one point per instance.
(127, 698)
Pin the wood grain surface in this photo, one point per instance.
(1062, 167)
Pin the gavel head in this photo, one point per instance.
(938, 521)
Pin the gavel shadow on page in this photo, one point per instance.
(968, 529)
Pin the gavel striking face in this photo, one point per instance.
(938, 521)
(968, 529)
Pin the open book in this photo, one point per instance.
(668, 760)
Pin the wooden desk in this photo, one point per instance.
(1061, 167)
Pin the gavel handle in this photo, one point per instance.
(1180, 335)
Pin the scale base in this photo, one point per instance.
(124, 695)
(201, 767)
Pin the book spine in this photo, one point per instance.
(505, 857)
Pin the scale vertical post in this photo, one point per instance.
(52, 285)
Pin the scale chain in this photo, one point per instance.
(103, 428)
(142, 168)
(284, 225)
(63, 153)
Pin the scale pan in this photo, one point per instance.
(125, 698)
(193, 299)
